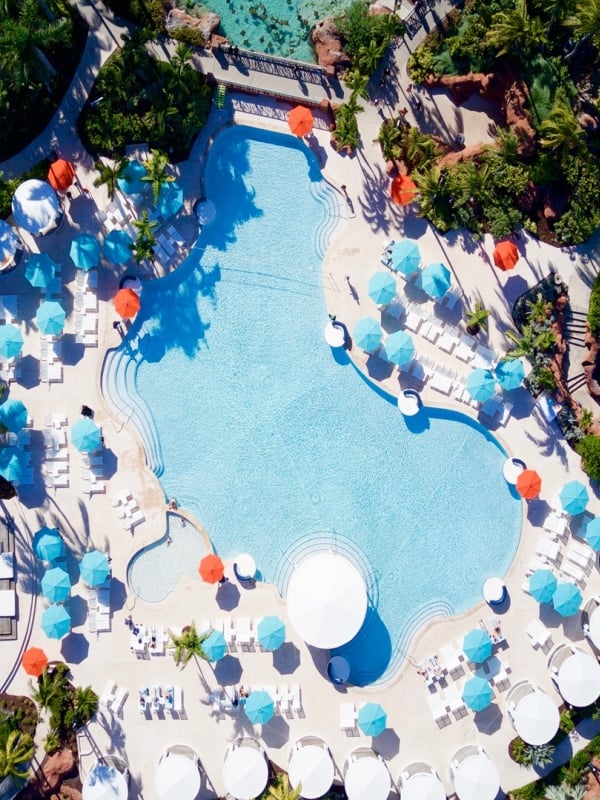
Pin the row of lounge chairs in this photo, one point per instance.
(98, 603)
(56, 455)
(158, 699)
(287, 699)
(86, 308)
(51, 368)
(238, 632)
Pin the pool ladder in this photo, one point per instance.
(220, 96)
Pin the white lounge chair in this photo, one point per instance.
(177, 700)
(119, 699)
(538, 633)
(107, 696)
(347, 716)
(296, 699)
(243, 633)
(548, 549)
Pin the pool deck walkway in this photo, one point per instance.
(87, 521)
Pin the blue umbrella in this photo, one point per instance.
(481, 385)
(40, 270)
(48, 545)
(372, 719)
(94, 568)
(50, 318)
(477, 645)
(477, 693)
(56, 585)
(382, 288)
(435, 280)
(406, 257)
(542, 585)
(130, 180)
(170, 199)
(259, 707)
(367, 334)
(574, 498)
(214, 646)
(85, 251)
(271, 633)
(86, 435)
(510, 374)
(117, 246)
(566, 599)
(11, 341)
(56, 622)
(10, 464)
(399, 348)
(13, 415)
(592, 533)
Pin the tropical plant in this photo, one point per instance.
(84, 706)
(564, 792)
(585, 22)
(538, 310)
(17, 750)
(156, 172)
(390, 139)
(143, 246)
(529, 342)
(109, 174)
(561, 130)
(586, 419)
(589, 450)
(419, 149)
(188, 645)
(280, 789)
(369, 56)
(346, 126)
(51, 687)
(476, 318)
(357, 83)
(52, 742)
(514, 30)
(545, 378)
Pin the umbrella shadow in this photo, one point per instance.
(275, 732)
(109, 463)
(228, 671)
(387, 744)
(286, 659)
(30, 372)
(74, 648)
(489, 720)
(228, 596)
(78, 610)
(72, 351)
(378, 368)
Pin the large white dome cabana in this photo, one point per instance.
(36, 208)
(475, 775)
(177, 776)
(326, 600)
(245, 770)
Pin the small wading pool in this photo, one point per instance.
(155, 571)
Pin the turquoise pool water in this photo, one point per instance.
(156, 570)
(254, 426)
(281, 27)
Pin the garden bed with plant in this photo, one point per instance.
(543, 174)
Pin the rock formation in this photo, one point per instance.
(205, 25)
(328, 45)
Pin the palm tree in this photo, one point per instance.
(561, 130)
(538, 309)
(477, 318)
(390, 138)
(109, 174)
(515, 30)
(369, 56)
(145, 241)
(419, 149)
(181, 58)
(189, 645)
(556, 9)
(585, 22)
(156, 169)
(51, 687)
(281, 789)
(529, 342)
(17, 750)
(84, 706)
(357, 83)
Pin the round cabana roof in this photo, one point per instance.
(36, 208)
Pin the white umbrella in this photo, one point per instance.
(511, 470)
(327, 600)
(367, 778)
(334, 335)
(536, 718)
(311, 767)
(594, 623)
(579, 679)
(245, 772)
(476, 778)
(423, 786)
(35, 207)
(177, 777)
(104, 782)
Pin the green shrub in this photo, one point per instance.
(359, 29)
(188, 36)
(566, 721)
(145, 13)
(589, 450)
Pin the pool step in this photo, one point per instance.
(220, 96)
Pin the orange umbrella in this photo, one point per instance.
(211, 568)
(529, 484)
(34, 661)
(61, 174)
(300, 120)
(403, 190)
(127, 303)
(506, 255)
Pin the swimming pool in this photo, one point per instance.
(281, 27)
(154, 572)
(267, 438)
